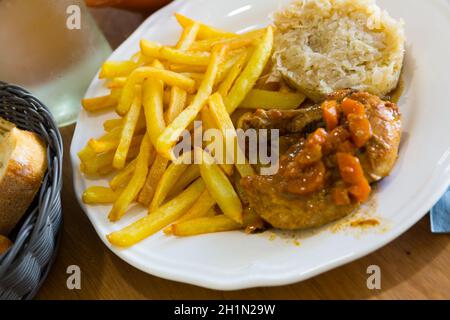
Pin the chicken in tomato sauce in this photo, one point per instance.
(335, 151)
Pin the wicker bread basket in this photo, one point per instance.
(25, 265)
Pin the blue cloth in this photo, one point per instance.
(440, 215)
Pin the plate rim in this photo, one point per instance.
(249, 280)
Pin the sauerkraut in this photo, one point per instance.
(325, 45)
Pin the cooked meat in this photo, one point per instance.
(325, 175)
(289, 211)
(287, 121)
(382, 149)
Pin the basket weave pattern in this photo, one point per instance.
(25, 266)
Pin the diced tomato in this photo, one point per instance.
(318, 137)
(335, 138)
(350, 168)
(360, 191)
(360, 129)
(353, 174)
(350, 106)
(340, 196)
(312, 179)
(339, 135)
(346, 147)
(309, 155)
(330, 114)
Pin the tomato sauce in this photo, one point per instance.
(327, 157)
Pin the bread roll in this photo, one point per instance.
(5, 244)
(325, 45)
(23, 162)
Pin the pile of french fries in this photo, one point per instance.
(157, 94)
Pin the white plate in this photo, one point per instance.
(234, 260)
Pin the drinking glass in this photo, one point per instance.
(53, 48)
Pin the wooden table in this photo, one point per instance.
(415, 266)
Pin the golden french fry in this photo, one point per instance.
(114, 128)
(87, 153)
(136, 183)
(177, 103)
(264, 99)
(205, 225)
(140, 74)
(103, 146)
(219, 187)
(243, 40)
(188, 36)
(173, 131)
(128, 130)
(216, 223)
(100, 146)
(83, 168)
(200, 208)
(105, 171)
(103, 143)
(123, 176)
(154, 176)
(197, 58)
(109, 125)
(189, 175)
(167, 101)
(100, 195)
(117, 82)
(205, 32)
(92, 168)
(197, 76)
(150, 49)
(159, 219)
(113, 69)
(208, 122)
(203, 207)
(156, 51)
(168, 179)
(224, 123)
(187, 68)
(153, 92)
(251, 73)
(99, 103)
(227, 83)
(207, 44)
(113, 134)
(236, 42)
(93, 163)
(226, 67)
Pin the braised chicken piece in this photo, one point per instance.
(326, 172)
(287, 121)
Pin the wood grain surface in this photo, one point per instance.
(414, 266)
